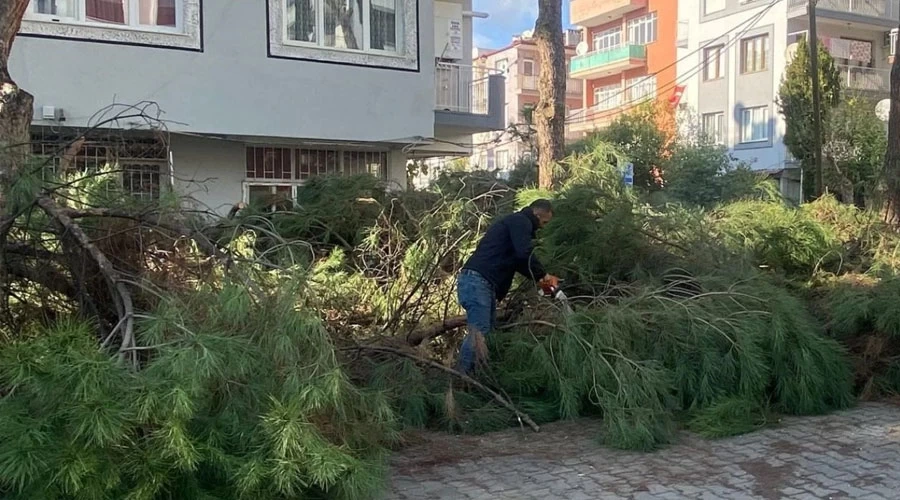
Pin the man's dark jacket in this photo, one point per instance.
(505, 249)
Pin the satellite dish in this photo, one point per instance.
(883, 109)
(790, 52)
(528, 34)
(581, 49)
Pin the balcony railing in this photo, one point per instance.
(462, 89)
(595, 60)
(530, 82)
(889, 9)
(869, 79)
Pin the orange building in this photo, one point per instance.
(627, 57)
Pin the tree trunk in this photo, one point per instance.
(550, 113)
(16, 105)
(892, 156)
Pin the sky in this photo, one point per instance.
(507, 18)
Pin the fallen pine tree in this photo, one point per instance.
(218, 380)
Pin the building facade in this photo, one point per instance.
(520, 63)
(256, 96)
(627, 57)
(733, 54)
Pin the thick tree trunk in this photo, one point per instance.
(892, 156)
(16, 105)
(550, 113)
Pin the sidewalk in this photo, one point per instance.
(853, 454)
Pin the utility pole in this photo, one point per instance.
(816, 97)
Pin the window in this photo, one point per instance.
(713, 127)
(714, 63)
(273, 173)
(642, 30)
(606, 40)
(710, 6)
(528, 67)
(362, 25)
(755, 54)
(501, 160)
(642, 88)
(609, 97)
(157, 23)
(160, 15)
(754, 124)
(141, 180)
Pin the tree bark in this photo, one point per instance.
(16, 105)
(550, 113)
(892, 156)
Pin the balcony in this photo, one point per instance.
(608, 62)
(468, 99)
(529, 83)
(597, 12)
(864, 13)
(875, 80)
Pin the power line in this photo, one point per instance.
(753, 20)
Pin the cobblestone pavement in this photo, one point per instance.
(853, 454)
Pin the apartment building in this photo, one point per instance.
(733, 56)
(520, 63)
(257, 96)
(627, 57)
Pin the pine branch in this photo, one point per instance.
(465, 378)
(124, 304)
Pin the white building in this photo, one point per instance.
(258, 95)
(733, 53)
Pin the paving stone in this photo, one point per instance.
(842, 455)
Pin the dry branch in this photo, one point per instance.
(122, 296)
(465, 378)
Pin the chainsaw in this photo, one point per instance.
(554, 292)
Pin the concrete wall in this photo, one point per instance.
(230, 84)
(211, 172)
(737, 21)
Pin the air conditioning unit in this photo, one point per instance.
(572, 37)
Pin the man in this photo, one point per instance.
(486, 277)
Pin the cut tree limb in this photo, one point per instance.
(118, 289)
(462, 376)
(435, 330)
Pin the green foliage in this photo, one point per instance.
(638, 135)
(729, 417)
(705, 175)
(241, 396)
(777, 236)
(855, 144)
(795, 100)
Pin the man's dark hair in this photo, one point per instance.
(542, 205)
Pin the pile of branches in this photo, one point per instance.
(147, 351)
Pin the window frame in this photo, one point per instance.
(720, 63)
(719, 136)
(643, 83)
(612, 34)
(528, 61)
(613, 100)
(405, 58)
(764, 47)
(645, 25)
(295, 179)
(366, 29)
(749, 111)
(186, 35)
(720, 6)
(133, 24)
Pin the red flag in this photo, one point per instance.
(675, 99)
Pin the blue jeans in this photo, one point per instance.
(476, 295)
